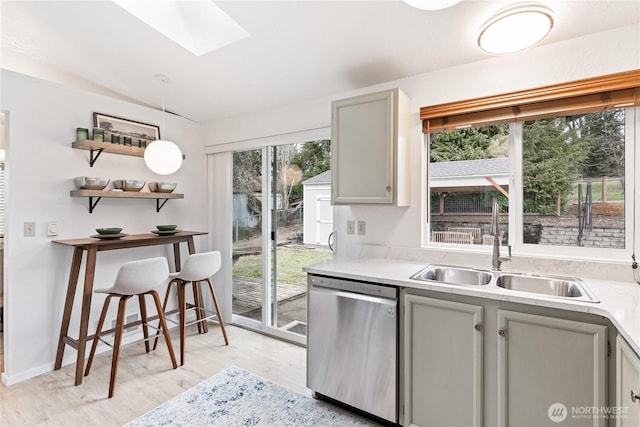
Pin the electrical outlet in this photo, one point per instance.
(29, 229)
(362, 228)
(351, 226)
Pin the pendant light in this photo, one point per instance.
(161, 156)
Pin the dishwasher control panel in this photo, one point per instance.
(354, 286)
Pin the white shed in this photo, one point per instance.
(318, 212)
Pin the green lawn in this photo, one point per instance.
(290, 263)
(615, 192)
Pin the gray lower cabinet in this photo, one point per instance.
(443, 363)
(490, 364)
(549, 371)
(627, 385)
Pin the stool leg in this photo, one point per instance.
(215, 304)
(164, 308)
(183, 308)
(196, 305)
(94, 345)
(143, 318)
(201, 315)
(165, 331)
(122, 305)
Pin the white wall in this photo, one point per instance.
(41, 166)
(594, 55)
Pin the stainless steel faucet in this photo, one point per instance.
(496, 259)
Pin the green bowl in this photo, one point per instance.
(166, 227)
(111, 230)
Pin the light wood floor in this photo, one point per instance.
(146, 380)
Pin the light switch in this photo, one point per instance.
(52, 228)
(29, 229)
(351, 226)
(362, 228)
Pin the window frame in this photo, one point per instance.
(621, 90)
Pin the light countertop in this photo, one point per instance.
(619, 301)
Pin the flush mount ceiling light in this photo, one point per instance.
(516, 28)
(431, 4)
(161, 156)
(197, 25)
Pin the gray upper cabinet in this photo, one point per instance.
(370, 149)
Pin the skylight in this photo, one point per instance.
(197, 25)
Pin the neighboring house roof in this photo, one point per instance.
(321, 178)
(469, 175)
(465, 168)
(442, 170)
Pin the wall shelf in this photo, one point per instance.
(98, 147)
(161, 198)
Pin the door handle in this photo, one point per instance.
(634, 396)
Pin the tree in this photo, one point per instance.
(604, 131)
(292, 162)
(553, 156)
(247, 171)
(465, 144)
(313, 158)
(107, 126)
(288, 174)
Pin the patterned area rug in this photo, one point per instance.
(236, 397)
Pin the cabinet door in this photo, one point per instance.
(549, 371)
(362, 143)
(443, 363)
(627, 383)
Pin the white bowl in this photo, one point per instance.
(162, 187)
(128, 184)
(91, 182)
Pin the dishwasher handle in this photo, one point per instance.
(353, 286)
(392, 302)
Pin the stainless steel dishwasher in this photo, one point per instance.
(352, 344)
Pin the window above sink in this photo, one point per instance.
(562, 168)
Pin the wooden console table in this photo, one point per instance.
(92, 246)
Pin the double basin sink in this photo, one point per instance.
(553, 286)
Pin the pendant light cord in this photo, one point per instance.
(163, 82)
(163, 79)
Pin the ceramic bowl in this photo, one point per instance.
(166, 227)
(128, 184)
(110, 230)
(162, 187)
(91, 182)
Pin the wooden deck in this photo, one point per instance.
(247, 294)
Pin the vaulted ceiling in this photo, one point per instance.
(297, 50)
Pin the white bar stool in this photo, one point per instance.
(197, 268)
(136, 278)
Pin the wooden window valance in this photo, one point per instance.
(580, 96)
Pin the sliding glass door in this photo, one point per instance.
(248, 241)
(280, 218)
